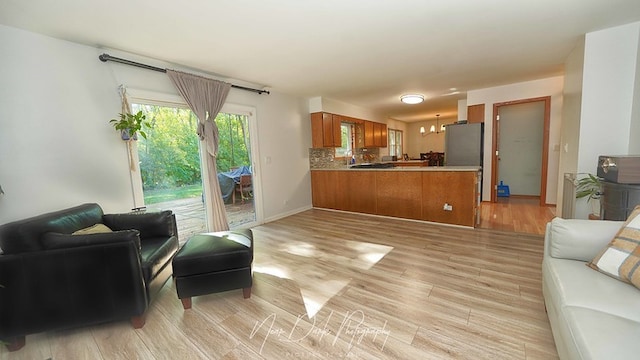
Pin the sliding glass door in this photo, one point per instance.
(172, 173)
(235, 170)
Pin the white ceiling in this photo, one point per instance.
(363, 52)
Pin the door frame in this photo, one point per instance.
(545, 146)
(256, 173)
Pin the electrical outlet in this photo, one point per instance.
(447, 207)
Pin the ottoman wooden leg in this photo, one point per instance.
(138, 321)
(246, 292)
(186, 303)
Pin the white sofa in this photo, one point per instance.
(592, 315)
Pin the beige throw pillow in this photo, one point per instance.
(621, 258)
(95, 229)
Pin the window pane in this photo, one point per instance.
(170, 166)
(391, 141)
(395, 142)
(346, 141)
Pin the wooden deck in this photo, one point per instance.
(190, 215)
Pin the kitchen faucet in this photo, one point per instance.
(349, 158)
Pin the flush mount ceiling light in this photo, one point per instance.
(412, 98)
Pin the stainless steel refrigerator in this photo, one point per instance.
(463, 144)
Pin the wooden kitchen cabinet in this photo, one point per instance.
(421, 195)
(385, 136)
(343, 190)
(359, 138)
(462, 199)
(380, 135)
(317, 140)
(324, 189)
(325, 130)
(475, 113)
(403, 201)
(375, 134)
(368, 134)
(360, 186)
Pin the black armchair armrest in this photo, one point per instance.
(71, 286)
(154, 224)
(53, 240)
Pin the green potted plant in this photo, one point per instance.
(590, 187)
(130, 125)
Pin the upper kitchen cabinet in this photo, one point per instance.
(368, 134)
(375, 134)
(359, 138)
(380, 129)
(475, 113)
(325, 130)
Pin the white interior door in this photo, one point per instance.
(521, 129)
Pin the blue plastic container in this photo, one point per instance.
(503, 190)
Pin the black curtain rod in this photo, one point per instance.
(107, 57)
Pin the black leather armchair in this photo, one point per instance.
(52, 279)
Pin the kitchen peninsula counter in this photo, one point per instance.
(407, 168)
(443, 194)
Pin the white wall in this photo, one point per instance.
(318, 104)
(519, 91)
(609, 123)
(57, 148)
(570, 127)
(610, 66)
(634, 134)
(397, 125)
(462, 109)
(431, 141)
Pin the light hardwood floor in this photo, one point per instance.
(517, 214)
(333, 285)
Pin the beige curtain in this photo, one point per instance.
(206, 97)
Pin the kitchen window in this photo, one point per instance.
(395, 142)
(346, 131)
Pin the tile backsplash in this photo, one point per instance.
(323, 158)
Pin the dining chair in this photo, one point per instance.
(243, 186)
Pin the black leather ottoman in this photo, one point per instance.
(214, 262)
